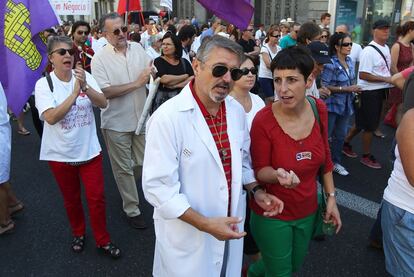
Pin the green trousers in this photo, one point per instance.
(283, 244)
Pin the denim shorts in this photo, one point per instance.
(398, 240)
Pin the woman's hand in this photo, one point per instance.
(332, 213)
(287, 179)
(80, 75)
(268, 202)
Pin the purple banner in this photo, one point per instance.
(237, 12)
(23, 52)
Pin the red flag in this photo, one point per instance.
(133, 5)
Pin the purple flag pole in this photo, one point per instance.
(237, 12)
(22, 50)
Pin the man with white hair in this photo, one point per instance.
(154, 46)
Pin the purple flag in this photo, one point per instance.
(23, 52)
(237, 12)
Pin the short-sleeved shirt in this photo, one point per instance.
(165, 68)
(112, 68)
(271, 146)
(73, 138)
(335, 75)
(248, 45)
(265, 72)
(286, 42)
(406, 72)
(372, 62)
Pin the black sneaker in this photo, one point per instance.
(137, 222)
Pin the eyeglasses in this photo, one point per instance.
(346, 44)
(275, 36)
(85, 33)
(245, 71)
(118, 31)
(62, 51)
(220, 70)
(324, 36)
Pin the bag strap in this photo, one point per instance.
(312, 102)
(49, 81)
(382, 54)
(184, 65)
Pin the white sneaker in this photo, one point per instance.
(340, 170)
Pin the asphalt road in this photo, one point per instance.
(40, 245)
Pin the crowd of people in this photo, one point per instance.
(244, 123)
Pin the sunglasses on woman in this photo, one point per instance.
(62, 51)
(275, 36)
(220, 70)
(118, 31)
(324, 36)
(346, 44)
(245, 71)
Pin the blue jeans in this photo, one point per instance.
(398, 240)
(337, 130)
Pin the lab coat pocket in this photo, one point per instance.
(181, 235)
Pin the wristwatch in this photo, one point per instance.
(85, 88)
(255, 189)
(330, 194)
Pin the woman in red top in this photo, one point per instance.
(288, 148)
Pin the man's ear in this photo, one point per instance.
(196, 66)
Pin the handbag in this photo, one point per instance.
(318, 225)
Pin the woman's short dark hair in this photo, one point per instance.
(308, 31)
(177, 44)
(295, 57)
(336, 39)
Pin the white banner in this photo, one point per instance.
(71, 7)
(167, 3)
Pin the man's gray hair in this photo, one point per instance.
(105, 17)
(154, 38)
(53, 40)
(210, 43)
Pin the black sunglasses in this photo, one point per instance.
(276, 36)
(118, 31)
(324, 36)
(220, 70)
(62, 51)
(346, 44)
(246, 70)
(82, 33)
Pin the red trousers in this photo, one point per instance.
(68, 178)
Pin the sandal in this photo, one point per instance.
(111, 250)
(7, 228)
(78, 244)
(16, 208)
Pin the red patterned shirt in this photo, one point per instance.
(218, 128)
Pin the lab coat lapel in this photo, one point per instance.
(199, 123)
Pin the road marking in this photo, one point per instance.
(357, 203)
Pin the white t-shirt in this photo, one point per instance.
(4, 116)
(259, 35)
(152, 53)
(355, 53)
(370, 61)
(265, 72)
(257, 105)
(72, 139)
(196, 44)
(399, 191)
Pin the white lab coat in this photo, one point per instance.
(182, 169)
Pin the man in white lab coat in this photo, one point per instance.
(196, 160)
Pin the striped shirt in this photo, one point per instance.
(218, 128)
